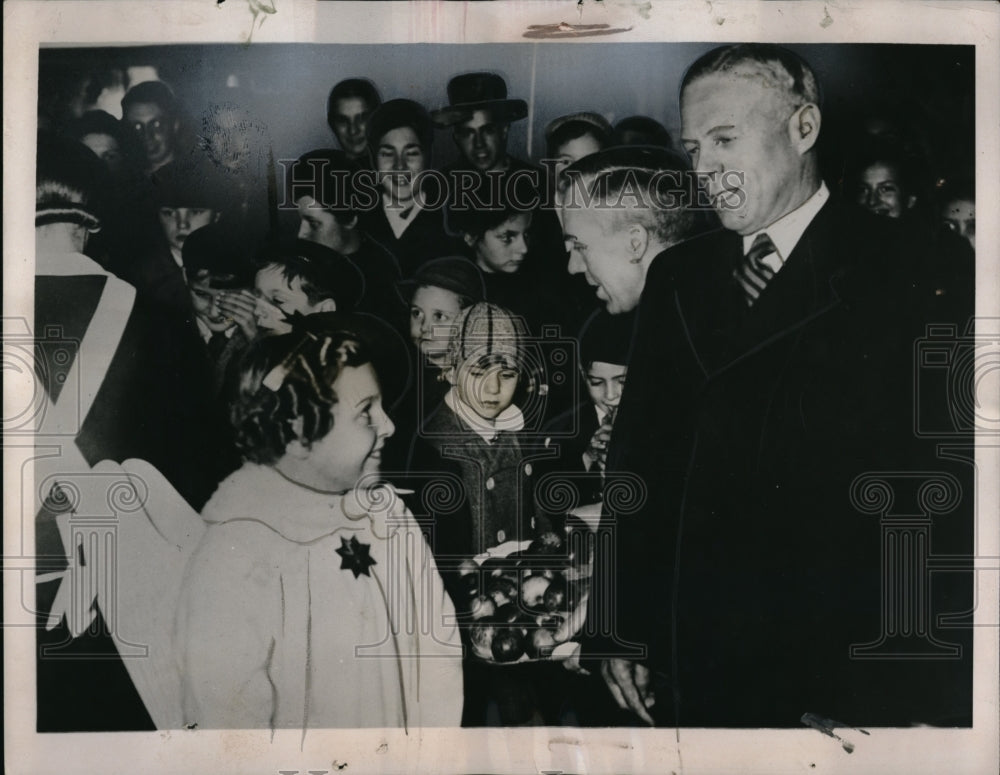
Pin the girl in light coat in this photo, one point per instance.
(313, 599)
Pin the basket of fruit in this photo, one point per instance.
(527, 600)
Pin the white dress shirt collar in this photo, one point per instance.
(786, 232)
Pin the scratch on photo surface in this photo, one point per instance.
(564, 31)
(826, 726)
(258, 8)
(578, 742)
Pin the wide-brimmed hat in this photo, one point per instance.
(397, 113)
(470, 92)
(453, 273)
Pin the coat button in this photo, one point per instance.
(501, 536)
(527, 469)
(490, 484)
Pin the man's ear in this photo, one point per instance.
(217, 216)
(469, 239)
(638, 241)
(351, 224)
(803, 127)
(327, 305)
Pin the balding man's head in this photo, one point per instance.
(620, 208)
(750, 119)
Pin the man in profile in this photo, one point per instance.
(771, 371)
(622, 208)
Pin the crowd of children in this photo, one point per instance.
(322, 351)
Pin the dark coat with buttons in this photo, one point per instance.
(474, 494)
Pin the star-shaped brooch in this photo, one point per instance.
(355, 556)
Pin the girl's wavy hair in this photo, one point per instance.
(284, 379)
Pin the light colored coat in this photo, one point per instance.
(274, 633)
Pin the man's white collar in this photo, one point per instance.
(786, 232)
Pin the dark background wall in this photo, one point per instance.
(929, 89)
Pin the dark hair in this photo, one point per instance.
(775, 66)
(630, 173)
(96, 122)
(69, 181)
(651, 132)
(155, 92)
(315, 292)
(891, 156)
(960, 185)
(401, 113)
(191, 182)
(606, 338)
(323, 272)
(288, 378)
(510, 199)
(217, 253)
(325, 175)
(351, 87)
(567, 128)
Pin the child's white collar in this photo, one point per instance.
(510, 419)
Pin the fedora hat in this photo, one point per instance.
(470, 92)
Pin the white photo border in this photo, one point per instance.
(554, 750)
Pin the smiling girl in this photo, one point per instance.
(405, 221)
(312, 600)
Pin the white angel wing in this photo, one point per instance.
(134, 571)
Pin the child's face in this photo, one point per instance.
(204, 299)
(317, 224)
(353, 447)
(350, 124)
(605, 382)
(574, 150)
(178, 222)
(880, 192)
(486, 387)
(433, 312)
(280, 297)
(399, 155)
(503, 249)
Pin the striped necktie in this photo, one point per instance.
(753, 274)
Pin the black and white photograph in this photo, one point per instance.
(453, 387)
